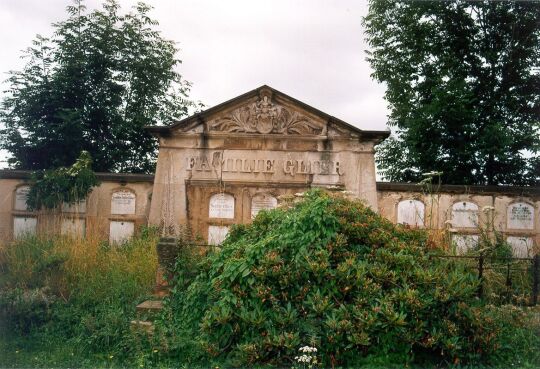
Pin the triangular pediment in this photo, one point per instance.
(264, 111)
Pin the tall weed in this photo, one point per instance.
(81, 291)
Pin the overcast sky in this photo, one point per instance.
(312, 50)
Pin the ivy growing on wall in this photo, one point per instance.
(51, 188)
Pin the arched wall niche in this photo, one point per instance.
(411, 212)
(464, 214)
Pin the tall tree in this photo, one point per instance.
(463, 88)
(93, 86)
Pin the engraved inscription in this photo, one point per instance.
(221, 206)
(465, 215)
(260, 202)
(520, 216)
(123, 202)
(20, 198)
(290, 167)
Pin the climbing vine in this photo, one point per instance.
(50, 188)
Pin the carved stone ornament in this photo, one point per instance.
(264, 116)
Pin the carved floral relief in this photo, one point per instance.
(265, 116)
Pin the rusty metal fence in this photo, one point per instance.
(502, 280)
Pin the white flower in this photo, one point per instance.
(486, 209)
(299, 194)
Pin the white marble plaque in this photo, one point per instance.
(79, 207)
(123, 202)
(520, 215)
(24, 226)
(464, 242)
(465, 215)
(260, 202)
(217, 234)
(221, 206)
(120, 231)
(411, 212)
(522, 247)
(21, 194)
(73, 227)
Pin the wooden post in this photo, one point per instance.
(481, 276)
(536, 277)
(508, 283)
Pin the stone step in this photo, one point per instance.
(150, 306)
(142, 326)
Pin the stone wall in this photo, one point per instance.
(220, 166)
(121, 204)
(463, 211)
(217, 167)
(114, 210)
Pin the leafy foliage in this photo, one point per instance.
(93, 86)
(462, 86)
(331, 273)
(51, 188)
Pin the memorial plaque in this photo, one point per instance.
(78, 207)
(522, 247)
(465, 215)
(217, 234)
(221, 206)
(464, 242)
(260, 202)
(24, 226)
(520, 216)
(21, 194)
(411, 212)
(123, 202)
(120, 231)
(73, 227)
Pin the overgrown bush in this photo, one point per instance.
(330, 273)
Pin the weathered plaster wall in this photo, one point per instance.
(94, 218)
(262, 142)
(199, 192)
(502, 207)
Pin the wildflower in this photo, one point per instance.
(111, 356)
(299, 194)
(155, 350)
(487, 209)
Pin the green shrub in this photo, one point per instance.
(330, 273)
(50, 188)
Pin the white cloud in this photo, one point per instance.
(312, 50)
